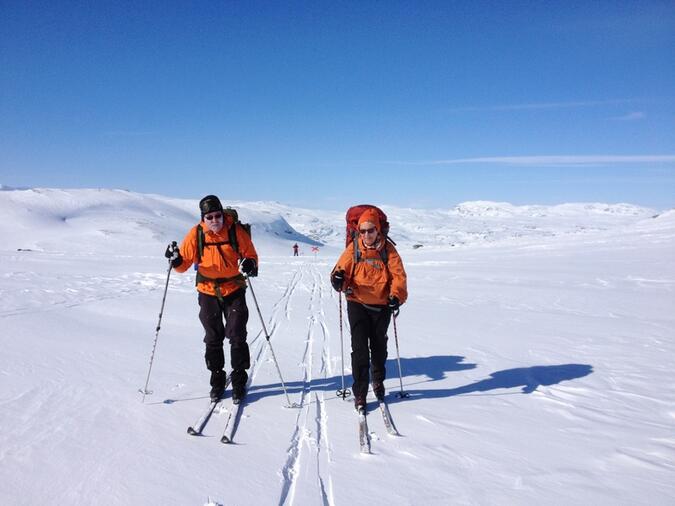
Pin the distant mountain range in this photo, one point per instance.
(93, 218)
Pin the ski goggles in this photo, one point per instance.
(214, 216)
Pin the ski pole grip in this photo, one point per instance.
(174, 251)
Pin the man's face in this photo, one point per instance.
(214, 221)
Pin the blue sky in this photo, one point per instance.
(326, 104)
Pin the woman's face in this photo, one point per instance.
(368, 233)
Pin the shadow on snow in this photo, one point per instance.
(435, 368)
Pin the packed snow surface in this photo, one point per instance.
(537, 348)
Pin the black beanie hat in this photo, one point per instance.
(209, 204)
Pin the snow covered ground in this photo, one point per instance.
(537, 347)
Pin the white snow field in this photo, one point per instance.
(537, 346)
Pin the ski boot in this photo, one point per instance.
(218, 381)
(378, 390)
(360, 402)
(238, 393)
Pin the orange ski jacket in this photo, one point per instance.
(220, 267)
(370, 281)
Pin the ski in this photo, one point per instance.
(386, 416)
(364, 440)
(198, 427)
(231, 423)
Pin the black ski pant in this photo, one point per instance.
(368, 326)
(211, 313)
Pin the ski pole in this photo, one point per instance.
(343, 392)
(267, 336)
(402, 394)
(174, 249)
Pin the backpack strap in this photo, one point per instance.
(232, 235)
(384, 253)
(234, 242)
(202, 243)
(357, 250)
(357, 254)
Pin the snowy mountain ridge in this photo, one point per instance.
(505, 209)
(150, 218)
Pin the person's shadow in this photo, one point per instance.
(434, 368)
(529, 378)
(526, 379)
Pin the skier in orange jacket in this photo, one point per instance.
(374, 289)
(223, 253)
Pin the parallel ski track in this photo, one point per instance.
(283, 304)
(309, 440)
(258, 345)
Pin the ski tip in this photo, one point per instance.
(226, 440)
(192, 431)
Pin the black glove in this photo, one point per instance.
(393, 303)
(337, 279)
(173, 254)
(170, 249)
(247, 266)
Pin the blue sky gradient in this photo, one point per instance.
(324, 104)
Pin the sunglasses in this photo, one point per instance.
(214, 216)
(367, 230)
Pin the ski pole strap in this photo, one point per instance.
(239, 280)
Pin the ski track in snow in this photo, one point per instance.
(259, 346)
(308, 455)
(260, 340)
(272, 325)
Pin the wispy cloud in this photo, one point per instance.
(544, 105)
(128, 133)
(631, 116)
(548, 160)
